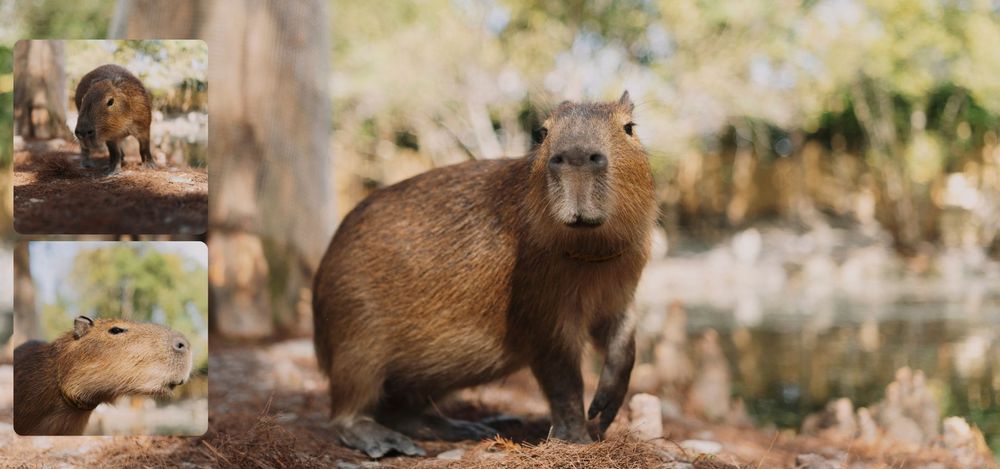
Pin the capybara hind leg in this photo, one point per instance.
(376, 440)
(409, 415)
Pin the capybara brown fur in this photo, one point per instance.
(113, 104)
(58, 384)
(466, 273)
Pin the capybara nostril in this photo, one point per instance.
(579, 157)
(181, 344)
(557, 161)
(598, 161)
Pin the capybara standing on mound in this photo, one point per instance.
(466, 273)
(113, 104)
(58, 384)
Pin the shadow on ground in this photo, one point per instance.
(54, 195)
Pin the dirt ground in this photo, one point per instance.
(268, 409)
(54, 195)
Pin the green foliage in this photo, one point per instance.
(64, 19)
(6, 105)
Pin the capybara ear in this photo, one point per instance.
(81, 325)
(626, 102)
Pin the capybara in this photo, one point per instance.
(466, 273)
(58, 384)
(113, 104)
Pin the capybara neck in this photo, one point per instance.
(62, 414)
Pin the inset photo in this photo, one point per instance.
(110, 137)
(112, 338)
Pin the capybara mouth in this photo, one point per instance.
(174, 384)
(580, 222)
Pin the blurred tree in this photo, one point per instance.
(271, 217)
(26, 325)
(40, 90)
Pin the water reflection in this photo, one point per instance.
(787, 366)
(806, 317)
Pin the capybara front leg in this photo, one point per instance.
(375, 440)
(558, 373)
(114, 158)
(147, 156)
(618, 342)
(86, 162)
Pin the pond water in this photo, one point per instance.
(785, 368)
(801, 328)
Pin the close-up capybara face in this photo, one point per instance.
(589, 151)
(103, 114)
(102, 357)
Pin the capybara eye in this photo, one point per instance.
(628, 127)
(539, 134)
(111, 101)
(116, 330)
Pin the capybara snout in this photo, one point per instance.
(583, 146)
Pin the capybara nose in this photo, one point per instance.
(181, 344)
(83, 132)
(580, 158)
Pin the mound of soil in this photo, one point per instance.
(54, 195)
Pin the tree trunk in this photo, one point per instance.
(40, 90)
(272, 210)
(26, 323)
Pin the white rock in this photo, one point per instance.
(645, 411)
(701, 446)
(452, 454)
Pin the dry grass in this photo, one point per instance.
(619, 451)
(53, 194)
(58, 167)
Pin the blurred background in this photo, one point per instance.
(828, 173)
(158, 282)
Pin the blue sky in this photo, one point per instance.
(52, 261)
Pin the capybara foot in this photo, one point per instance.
(571, 435)
(149, 165)
(377, 441)
(87, 163)
(111, 171)
(434, 427)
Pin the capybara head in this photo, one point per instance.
(595, 168)
(105, 358)
(104, 113)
